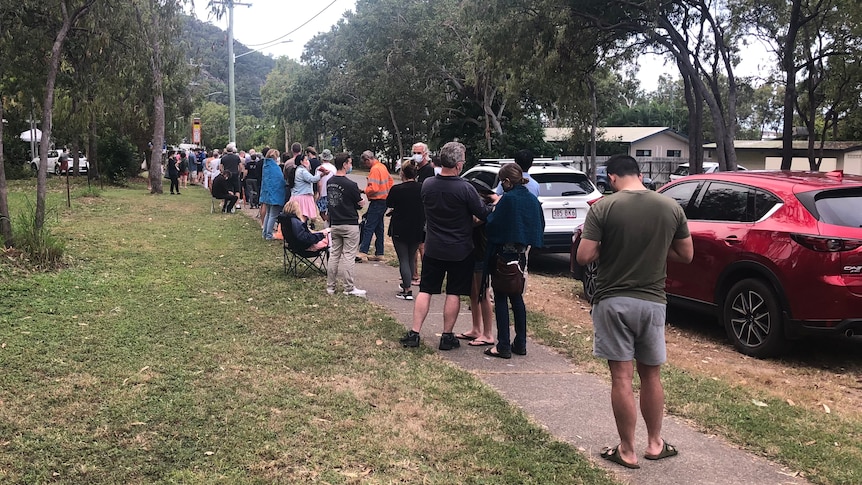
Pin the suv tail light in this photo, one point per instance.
(591, 202)
(826, 244)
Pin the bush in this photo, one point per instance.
(117, 158)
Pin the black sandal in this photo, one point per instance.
(507, 355)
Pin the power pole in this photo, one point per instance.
(231, 60)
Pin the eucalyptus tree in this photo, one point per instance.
(701, 36)
(159, 22)
(817, 40)
(71, 12)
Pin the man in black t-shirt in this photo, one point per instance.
(344, 202)
(450, 204)
(230, 161)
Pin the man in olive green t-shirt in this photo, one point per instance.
(632, 234)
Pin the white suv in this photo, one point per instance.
(565, 195)
(54, 163)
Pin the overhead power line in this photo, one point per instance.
(294, 30)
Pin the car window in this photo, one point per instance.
(488, 178)
(724, 202)
(763, 203)
(562, 184)
(840, 207)
(682, 193)
(682, 170)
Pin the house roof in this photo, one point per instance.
(623, 134)
(840, 146)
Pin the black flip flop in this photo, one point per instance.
(613, 455)
(497, 354)
(667, 450)
(462, 336)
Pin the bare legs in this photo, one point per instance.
(451, 307)
(625, 410)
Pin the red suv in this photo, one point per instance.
(777, 255)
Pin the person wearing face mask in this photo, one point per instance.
(516, 225)
(423, 162)
(450, 203)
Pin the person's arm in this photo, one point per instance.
(681, 250)
(588, 251)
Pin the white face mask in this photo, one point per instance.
(417, 158)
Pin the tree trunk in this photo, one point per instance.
(5, 221)
(789, 63)
(48, 113)
(397, 134)
(594, 123)
(695, 127)
(155, 59)
(92, 143)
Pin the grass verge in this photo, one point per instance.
(173, 349)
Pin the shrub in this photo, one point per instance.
(117, 158)
(42, 249)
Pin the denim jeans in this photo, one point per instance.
(269, 220)
(373, 227)
(519, 311)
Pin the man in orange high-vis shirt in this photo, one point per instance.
(377, 189)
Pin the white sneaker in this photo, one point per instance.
(330, 291)
(356, 292)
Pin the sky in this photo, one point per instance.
(300, 20)
(267, 20)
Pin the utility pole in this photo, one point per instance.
(231, 60)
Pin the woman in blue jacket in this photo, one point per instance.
(273, 192)
(516, 225)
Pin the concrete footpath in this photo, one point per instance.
(573, 406)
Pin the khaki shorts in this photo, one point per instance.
(629, 329)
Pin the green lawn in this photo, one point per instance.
(171, 348)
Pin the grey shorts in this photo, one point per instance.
(629, 329)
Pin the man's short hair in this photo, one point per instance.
(367, 155)
(524, 159)
(422, 145)
(340, 160)
(226, 173)
(452, 153)
(296, 148)
(622, 165)
(231, 147)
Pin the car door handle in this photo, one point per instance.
(732, 240)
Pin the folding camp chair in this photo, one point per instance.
(300, 262)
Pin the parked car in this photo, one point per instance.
(565, 195)
(54, 165)
(602, 180)
(708, 167)
(777, 255)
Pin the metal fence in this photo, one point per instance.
(656, 168)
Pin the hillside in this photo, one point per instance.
(208, 50)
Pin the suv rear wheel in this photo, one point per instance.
(752, 319)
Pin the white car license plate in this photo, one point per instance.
(564, 213)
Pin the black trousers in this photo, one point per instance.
(229, 202)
